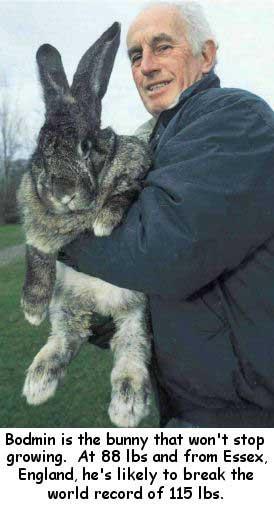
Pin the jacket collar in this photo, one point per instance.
(210, 80)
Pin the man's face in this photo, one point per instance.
(161, 59)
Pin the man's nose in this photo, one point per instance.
(149, 63)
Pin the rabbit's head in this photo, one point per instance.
(68, 157)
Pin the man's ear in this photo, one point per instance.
(208, 55)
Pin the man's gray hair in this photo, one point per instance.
(197, 26)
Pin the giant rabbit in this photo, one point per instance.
(81, 177)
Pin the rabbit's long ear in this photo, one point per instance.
(94, 70)
(52, 74)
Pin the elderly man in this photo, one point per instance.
(199, 239)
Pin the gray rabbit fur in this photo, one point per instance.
(82, 178)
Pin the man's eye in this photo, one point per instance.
(162, 48)
(135, 58)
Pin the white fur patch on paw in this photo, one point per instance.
(35, 320)
(101, 230)
(43, 377)
(38, 391)
(128, 408)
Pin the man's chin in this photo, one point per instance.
(156, 108)
(156, 111)
(174, 103)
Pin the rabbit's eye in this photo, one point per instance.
(85, 148)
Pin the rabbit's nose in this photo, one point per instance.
(67, 199)
(62, 189)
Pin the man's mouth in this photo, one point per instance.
(156, 86)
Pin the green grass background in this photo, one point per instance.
(82, 400)
(11, 234)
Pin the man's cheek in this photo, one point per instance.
(136, 77)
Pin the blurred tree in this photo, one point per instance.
(11, 133)
(13, 138)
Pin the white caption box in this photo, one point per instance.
(136, 466)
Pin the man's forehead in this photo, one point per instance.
(154, 23)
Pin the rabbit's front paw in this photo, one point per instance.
(43, 377)
(34, 313)
(101, 229)
(106, 220)
(130, 401)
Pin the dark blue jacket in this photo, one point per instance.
(198, 241)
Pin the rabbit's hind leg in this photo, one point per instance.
(70, 329)
(130, 381)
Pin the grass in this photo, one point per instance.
(11, 234)
(83, 399)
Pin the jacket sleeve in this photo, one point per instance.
(208, 204)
